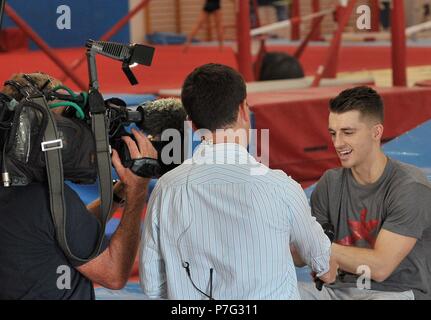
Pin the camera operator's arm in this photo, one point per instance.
(112, 268)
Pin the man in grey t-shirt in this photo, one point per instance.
(380, 209)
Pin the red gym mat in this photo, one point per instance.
(171, 64)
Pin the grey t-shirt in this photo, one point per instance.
(400, 202)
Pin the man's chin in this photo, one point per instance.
(346, 163)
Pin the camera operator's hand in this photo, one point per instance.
(143, 149)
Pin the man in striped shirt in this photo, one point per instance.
(220, 225)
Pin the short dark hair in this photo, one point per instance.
(39, 78)
(363, 99)
(211, 95)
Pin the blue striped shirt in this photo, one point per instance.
(223, 210)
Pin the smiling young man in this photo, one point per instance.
(380, 209)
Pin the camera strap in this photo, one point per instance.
(100, 127)
(52, 146)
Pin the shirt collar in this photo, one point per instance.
(222, 153)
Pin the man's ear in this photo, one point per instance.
(244, 111)
(378, 130)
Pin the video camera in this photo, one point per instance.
(37, 144)
(154, 118)
(23, 161)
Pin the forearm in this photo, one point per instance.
(125, 241)
(112, 267)
(351, 259)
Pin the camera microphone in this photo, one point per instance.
(328, 228)
(153, 118)
(129, 54)
(162, 114)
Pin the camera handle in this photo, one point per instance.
(146, 167)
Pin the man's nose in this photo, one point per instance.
(338, 141)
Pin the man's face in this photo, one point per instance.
(354, 136)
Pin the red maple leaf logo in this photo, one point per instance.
(360, 230)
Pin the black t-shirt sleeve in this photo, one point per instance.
(409, 210)
(82, 228)
(320, 201)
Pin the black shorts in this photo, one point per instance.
(211, 6)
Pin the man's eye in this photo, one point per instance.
(348, 133)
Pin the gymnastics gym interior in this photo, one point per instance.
(336, 44)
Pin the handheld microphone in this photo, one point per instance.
(328, 228)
